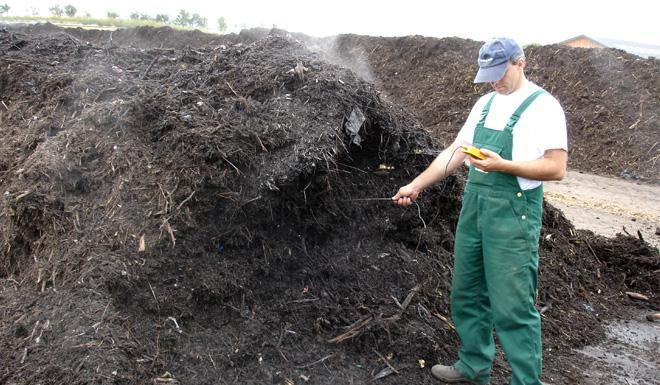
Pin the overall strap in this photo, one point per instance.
(519, 111)
(485, 111)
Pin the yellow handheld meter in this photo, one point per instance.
(473, 151)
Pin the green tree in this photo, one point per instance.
(56, 10)
(183, 18)
(163, 18)
(197, 21)
(144, 16)
(134, 16)
(112, 15)
(222, 24)
(70, 10)
(4, 8)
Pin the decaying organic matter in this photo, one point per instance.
(200, 214)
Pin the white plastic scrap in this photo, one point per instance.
(176, 324)
(354, 124)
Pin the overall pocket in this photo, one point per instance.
(520, 209)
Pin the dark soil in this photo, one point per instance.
(189, 214)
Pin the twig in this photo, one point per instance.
(110, 40)
(354, 168)
(170, 231)
(96, 325)
(155, 298)
(397, 302)
(626, 231)
(592, 252)
(304, 300)
(149, 67)
(634, 124)
(385, 361)
(403, 306)
(383, 373)
(34, 331)
(409, 298)
(103, 91)
(353, 330)
(153, 362)
(263, 148)
(25, 351)
(235, 168)
(648, 152)
(184, 201)
(445, 320)
(16, 60)
(545, 308)
(75, 40)
(232, 89)
(316, 362)
(638, 296)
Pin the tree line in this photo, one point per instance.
(182, 19)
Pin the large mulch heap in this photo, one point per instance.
(192, 215)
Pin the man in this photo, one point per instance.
(521, 131)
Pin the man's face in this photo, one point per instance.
(511, 80)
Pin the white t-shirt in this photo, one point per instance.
(541, 127)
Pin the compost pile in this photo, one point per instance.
(611, 98)
(206, 214)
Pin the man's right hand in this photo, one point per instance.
(406, 195)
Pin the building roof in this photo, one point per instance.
(640, 49)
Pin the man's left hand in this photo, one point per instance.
(493, 161)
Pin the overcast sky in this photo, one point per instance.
(526, 21)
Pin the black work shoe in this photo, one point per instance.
(449, 374)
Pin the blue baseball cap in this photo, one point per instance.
(493, 57)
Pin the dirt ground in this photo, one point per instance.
(183, 208)
(627, 356)
(607, 205)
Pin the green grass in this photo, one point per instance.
(119, 23)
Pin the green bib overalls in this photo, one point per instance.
(496, 263)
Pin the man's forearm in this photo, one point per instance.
(543, 169)
(551, 167)
(444, 164)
